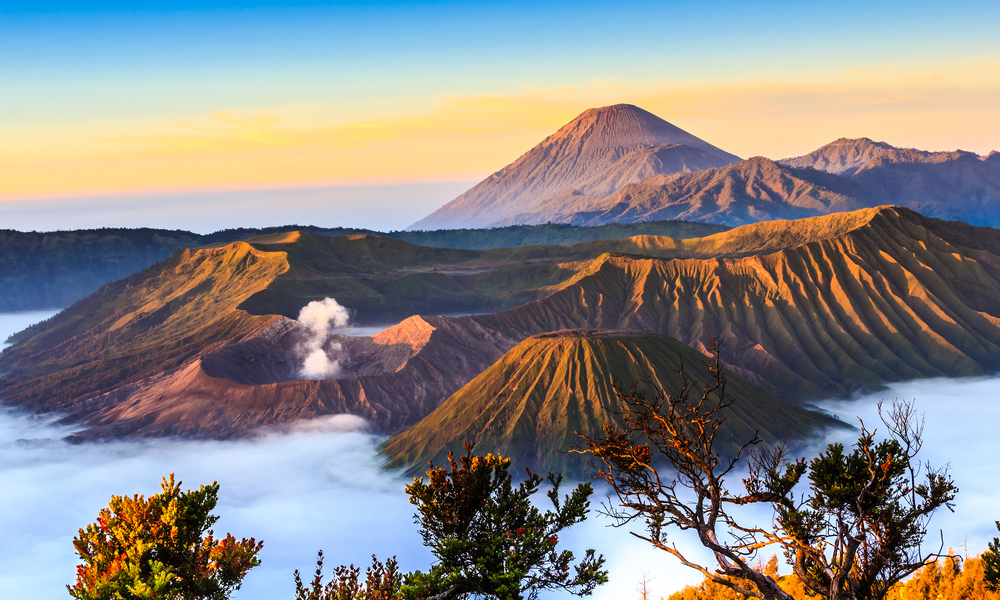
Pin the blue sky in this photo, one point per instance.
(114, 97)
(123, 62)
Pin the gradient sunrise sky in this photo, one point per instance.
(193, 102)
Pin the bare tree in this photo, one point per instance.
(851, 535)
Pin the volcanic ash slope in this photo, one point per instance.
(530, 404)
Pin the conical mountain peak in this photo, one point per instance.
(623, 126)
(594, 142)
(530, 404)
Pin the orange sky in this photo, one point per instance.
(934, 106)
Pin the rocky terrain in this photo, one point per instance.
(805, 309)
(867, 297)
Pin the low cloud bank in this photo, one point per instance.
(319, 316)
(11, 323)
(319, 484)
(316, 485)
(961, 417)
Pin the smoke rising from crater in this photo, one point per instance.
(319, 316)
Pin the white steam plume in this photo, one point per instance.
(319, 316)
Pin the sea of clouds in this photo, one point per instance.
(320, 485)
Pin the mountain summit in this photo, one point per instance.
(593, 143)
(841, 157)
(530, 404)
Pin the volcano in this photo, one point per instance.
(589, 153)
(531, 403)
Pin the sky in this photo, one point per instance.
(124, 103)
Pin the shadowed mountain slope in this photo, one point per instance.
(842, 176)
(946, 185)
(993, 159)
(586, 148)
(530, 404)
(949, 185)
(750, 191)
(647, 162)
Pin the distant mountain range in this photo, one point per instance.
(40, 270)
(621, 164)
(201, 345)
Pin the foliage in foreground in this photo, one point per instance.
(161, 548)
(945, 579)
(489, 539)
(991, 564)
(382, 582)
(852, 535)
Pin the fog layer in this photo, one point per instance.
(319, 485)
(11, 323)
(378, 207)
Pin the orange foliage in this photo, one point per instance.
(944, 580)
(157, 548)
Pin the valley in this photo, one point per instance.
(205, 345)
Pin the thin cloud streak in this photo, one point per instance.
(377, 207)
(930, 106)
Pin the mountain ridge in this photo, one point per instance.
(815, 308)
(845, 175)
(55, 269)
(754, 190)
